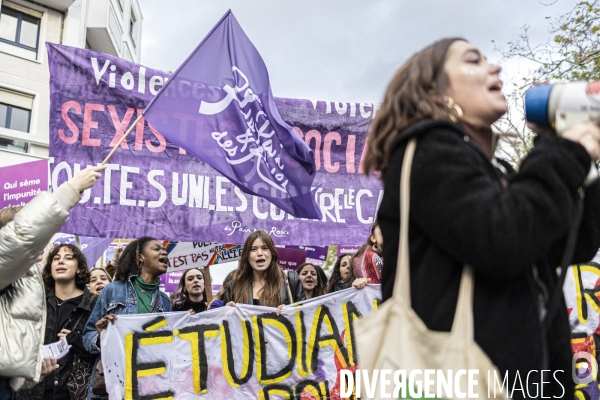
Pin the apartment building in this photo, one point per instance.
(109, 26)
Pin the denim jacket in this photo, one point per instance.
(119, 298)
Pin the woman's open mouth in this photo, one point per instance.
(164, 260)
(496, 88)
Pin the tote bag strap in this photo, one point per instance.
(463, 316)
(402, 282)
(463, 325)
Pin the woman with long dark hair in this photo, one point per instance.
(68, 306)
(259, 279)
(191, 292)
(137, 277)
(312, 278)
(469, 208)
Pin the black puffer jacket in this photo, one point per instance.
(58, 379)
(460, 212)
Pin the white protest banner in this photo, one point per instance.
(242, 352)
(186, 255)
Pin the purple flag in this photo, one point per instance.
(91, 247)
(236, 128)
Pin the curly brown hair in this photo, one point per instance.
(82, 276)
(415, 93)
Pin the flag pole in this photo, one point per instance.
(207, 285)
(122, 138)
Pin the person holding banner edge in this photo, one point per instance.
(137, 277)
(259, 280)
(342, 276)
(24, 232)
(366, 262)
(467, 207)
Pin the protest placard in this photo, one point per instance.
(22, 182)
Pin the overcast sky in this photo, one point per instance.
(340, 50)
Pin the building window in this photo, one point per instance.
(19, 28)
(132, 26)
(15, 118)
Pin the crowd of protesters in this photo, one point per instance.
(467, 208)
(77, 303)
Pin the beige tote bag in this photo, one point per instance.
(394, 338)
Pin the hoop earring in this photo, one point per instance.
(140, 264)
(455, 112)
(376, 248)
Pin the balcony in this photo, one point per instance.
(104, 32)
(60, 5)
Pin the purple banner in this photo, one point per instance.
(290, 258)
(348, 249)
(22, 182)
(152, 187)
(172, 280)
(312, 252)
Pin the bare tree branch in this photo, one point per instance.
(571, 52)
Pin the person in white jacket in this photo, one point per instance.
(24, 232)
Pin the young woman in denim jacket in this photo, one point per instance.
(133, 291)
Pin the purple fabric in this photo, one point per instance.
(172, 281)
(290, 258)
(312, 252)
(22, 182)
(154, 188)
(240, 132)
(216, 303)
(348, 249)
(92, 248)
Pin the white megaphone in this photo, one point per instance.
(563, 105)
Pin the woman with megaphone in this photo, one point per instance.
(470, 211)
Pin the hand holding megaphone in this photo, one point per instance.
(586, 134)
(571, 110)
